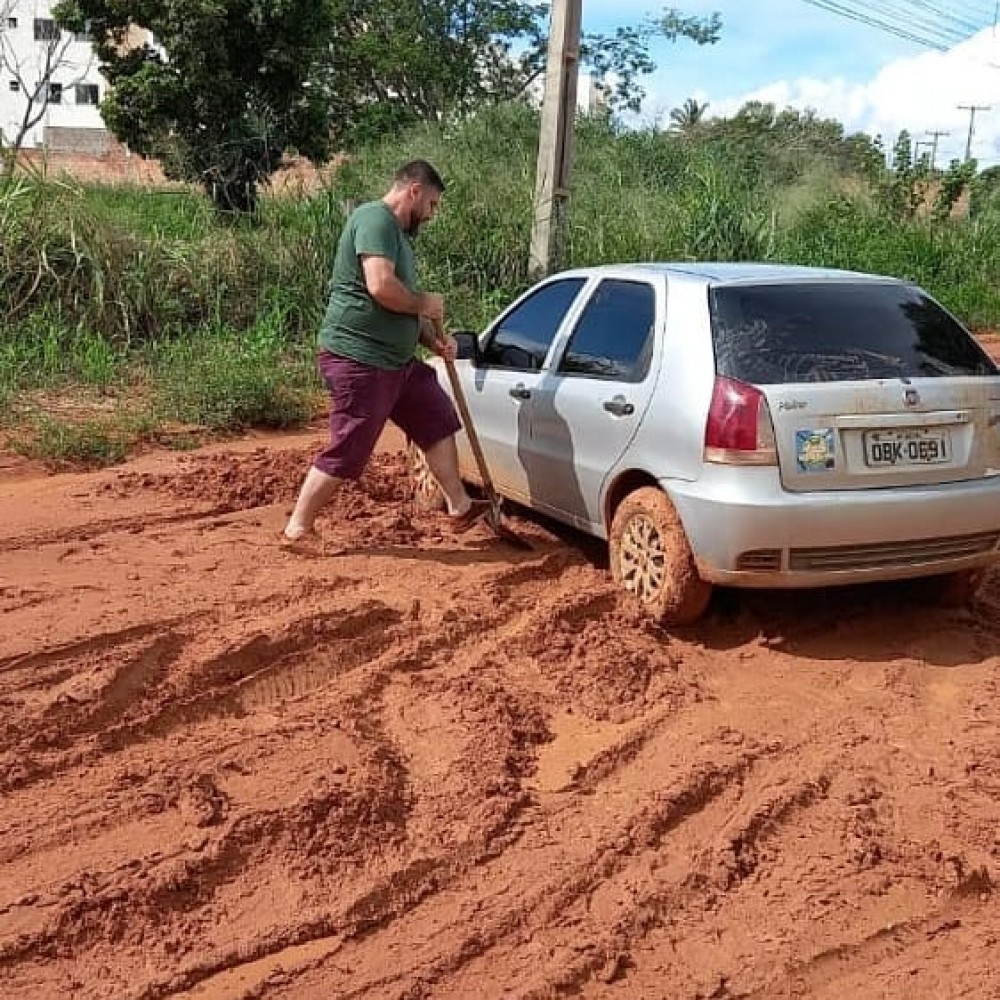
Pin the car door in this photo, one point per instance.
(589, 404)
(501, 384)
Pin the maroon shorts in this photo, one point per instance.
(363, 398)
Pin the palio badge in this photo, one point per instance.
(815, 450)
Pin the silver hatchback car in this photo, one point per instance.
(742, 424)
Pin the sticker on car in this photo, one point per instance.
(815, 449)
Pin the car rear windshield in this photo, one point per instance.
(837, 332)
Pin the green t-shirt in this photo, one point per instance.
(355, 325)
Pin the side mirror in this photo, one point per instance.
(468, 345)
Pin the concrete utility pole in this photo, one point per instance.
(972, 109)
(555, 144)
(934, 145)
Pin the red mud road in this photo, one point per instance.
(414, 767)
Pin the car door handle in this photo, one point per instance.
(519, 392)
(619, 406)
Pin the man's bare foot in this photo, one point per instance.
(301, 540)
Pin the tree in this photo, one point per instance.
(420, 60)
(687, 117)
(783, 145)
(985, 196)
(905, 185)
(230, 87)
(34, 75)
(398, 62)
(226, 91)
(953, 185)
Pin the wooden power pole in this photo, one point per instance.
(972, 109)
(555, 144)
(934, 146)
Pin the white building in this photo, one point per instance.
(56, 72)
(591, 95)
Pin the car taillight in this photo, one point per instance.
(739, 430)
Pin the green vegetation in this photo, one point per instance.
(160, 313)
(230, 88)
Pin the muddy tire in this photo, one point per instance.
(427, 495)
(651, 559)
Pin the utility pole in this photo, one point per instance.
(555, 143)
(934, 146)
(972, 109)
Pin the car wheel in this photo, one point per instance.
(652, 560)
(427, 495)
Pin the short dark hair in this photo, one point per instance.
(419, 172)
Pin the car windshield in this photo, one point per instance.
(837, 332)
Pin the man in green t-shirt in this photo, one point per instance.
(374, 321)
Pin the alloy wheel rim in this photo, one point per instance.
(642, 559)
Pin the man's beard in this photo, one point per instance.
(413, 226)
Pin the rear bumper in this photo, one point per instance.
(746, 531)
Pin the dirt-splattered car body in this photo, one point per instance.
(808, 427)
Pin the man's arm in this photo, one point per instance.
(390, 293)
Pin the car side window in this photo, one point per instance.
(614, 336)
(523, 338)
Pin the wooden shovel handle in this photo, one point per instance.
(470, 427)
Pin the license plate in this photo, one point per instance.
(909, 446)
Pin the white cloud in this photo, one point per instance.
(918, 93)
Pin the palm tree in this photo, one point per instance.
(688, 116)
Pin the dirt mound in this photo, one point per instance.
(414, 765)
(376, 509)
(264, 476)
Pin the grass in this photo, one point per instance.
(150, 297)
(224, 380)
(89, 444)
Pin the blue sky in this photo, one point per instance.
(795, 54)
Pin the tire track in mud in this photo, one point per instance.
(265, 672)
(492, 775)
(252, 668)
(821, 973)
(724, 870)
(406, 895)
(93, 530)
(542, 890)
(420, 653)
(508, 620)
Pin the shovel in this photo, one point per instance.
(495, 501)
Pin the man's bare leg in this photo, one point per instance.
(316, 490)
(442, 459)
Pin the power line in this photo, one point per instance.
(929, 24)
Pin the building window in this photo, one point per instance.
(55, 93)
(11, 22)
(46, 30)
(87, 93)
(15, 85)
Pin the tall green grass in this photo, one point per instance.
(211, 321)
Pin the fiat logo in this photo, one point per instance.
(911, 397)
